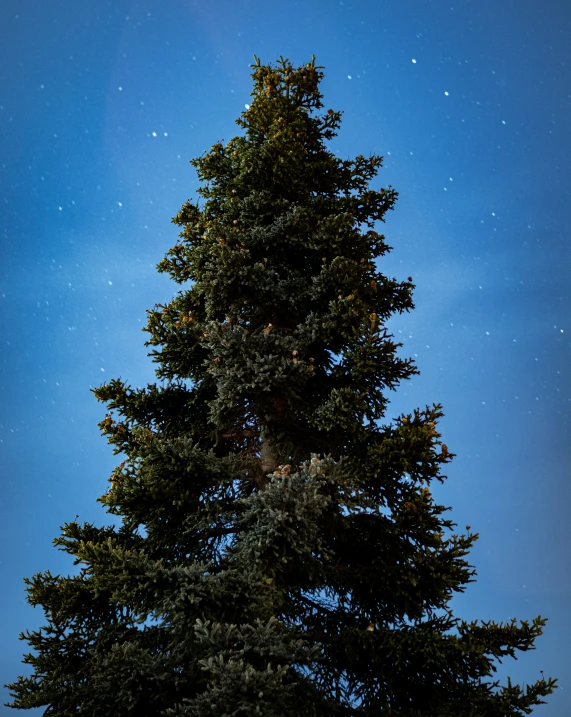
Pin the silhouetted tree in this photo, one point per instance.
(280, 552)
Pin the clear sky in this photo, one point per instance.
(102, 104)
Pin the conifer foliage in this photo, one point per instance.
(279, 552)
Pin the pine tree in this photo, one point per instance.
(279, 553)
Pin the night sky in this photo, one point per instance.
(102, 105)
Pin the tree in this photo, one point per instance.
(280, 552)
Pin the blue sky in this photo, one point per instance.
(102, 104)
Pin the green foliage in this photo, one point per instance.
(280, 552)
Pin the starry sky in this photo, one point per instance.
(102, 104)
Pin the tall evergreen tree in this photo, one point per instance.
(280, 553)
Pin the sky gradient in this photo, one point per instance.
(102, 104)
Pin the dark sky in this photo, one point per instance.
(103, 103)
